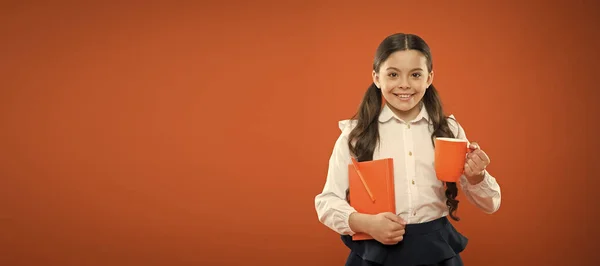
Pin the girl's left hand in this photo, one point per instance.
(477, 161)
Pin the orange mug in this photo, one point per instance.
(450, 156)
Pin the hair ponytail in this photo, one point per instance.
(433, 105)
(365, 135)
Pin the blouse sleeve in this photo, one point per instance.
(332, 208)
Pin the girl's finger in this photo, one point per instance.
(468, 171)
(479, 163)
(474, 169)
(482, 155)
(473, 145)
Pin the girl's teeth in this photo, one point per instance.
(404, 96)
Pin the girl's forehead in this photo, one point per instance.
(406, 59)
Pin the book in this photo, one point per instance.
(371, 188)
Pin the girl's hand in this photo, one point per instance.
(386, 228)
(477, 161)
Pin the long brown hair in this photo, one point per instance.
(365, 136)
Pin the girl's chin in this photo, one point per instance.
(403, 106)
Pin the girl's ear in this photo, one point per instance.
(429, 79)
(376, 79)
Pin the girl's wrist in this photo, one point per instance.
(359, 222)
(474, 180)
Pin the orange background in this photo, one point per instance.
(180, 134)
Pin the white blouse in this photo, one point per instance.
(420, 195)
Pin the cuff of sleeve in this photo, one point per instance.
(345, 218)
(484, 184)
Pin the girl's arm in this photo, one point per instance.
(486, 195)
(332, 208)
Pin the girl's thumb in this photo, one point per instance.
(401, 221)
(394, 218)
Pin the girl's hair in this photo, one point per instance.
(365, 135)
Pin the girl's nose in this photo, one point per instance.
(404, 85)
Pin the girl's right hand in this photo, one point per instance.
(386, 228)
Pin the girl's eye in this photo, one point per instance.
(416, 75)
(393, 75)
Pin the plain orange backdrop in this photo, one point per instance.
(170, 133)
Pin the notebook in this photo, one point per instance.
(371, 188)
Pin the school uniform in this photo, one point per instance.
(430, 238)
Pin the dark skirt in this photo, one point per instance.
(432, 243)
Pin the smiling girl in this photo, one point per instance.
(400, 116)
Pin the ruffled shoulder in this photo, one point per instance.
(347, 125)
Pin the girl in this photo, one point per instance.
(404, 128)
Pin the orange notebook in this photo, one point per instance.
(371, 188)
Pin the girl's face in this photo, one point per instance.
(403, 79)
